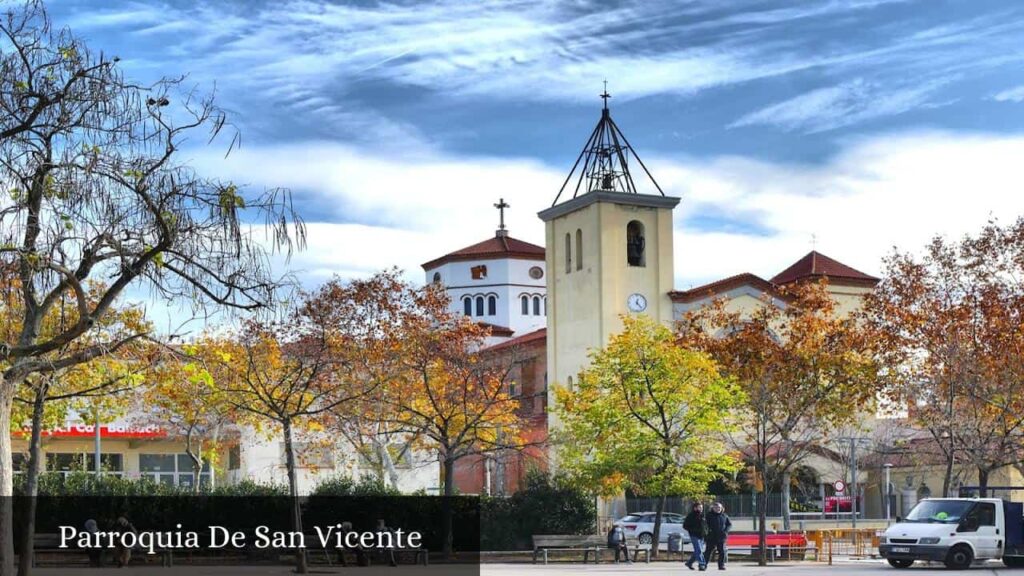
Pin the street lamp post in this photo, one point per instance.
(888, 492)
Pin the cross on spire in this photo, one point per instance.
(501, 205)
(605, 95)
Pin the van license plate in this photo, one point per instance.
(901, 550)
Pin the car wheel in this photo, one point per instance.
(900, 562)
(959, 558)
(1013, 561)
(645, 538)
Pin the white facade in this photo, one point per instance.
(262, 461)
(497, 296)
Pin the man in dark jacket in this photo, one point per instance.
(718, 532)
(696, 525)
(617, 542)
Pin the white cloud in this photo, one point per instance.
(889, 190)
(843, 105)
(879, 192)
(514, 50)
(1015, 94)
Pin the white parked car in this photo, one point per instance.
(640, 525)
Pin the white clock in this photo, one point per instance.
(637, 302)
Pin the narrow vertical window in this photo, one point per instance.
(568, 253)
(635, 244)
(579, 249)
(467, 306)
(545, 305)
(492, 305)
(524, 301)
(536, 305)
(479, 305)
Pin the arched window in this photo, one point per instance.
(437, 277)
(635, 244)
(479, 305)
(524, 301)
(568, 253)
(545, 305)
(467, 306)
(579, 249)
(536, 305)
(568, 382)
(492, 305)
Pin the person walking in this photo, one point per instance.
(696, 525)
(617, 542)
(719, 525)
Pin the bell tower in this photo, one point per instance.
(609, 251)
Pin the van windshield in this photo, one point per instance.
(942, 511)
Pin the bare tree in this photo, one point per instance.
(93, 189)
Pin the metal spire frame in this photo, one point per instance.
(605, 160)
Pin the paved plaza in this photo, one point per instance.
(848, 568)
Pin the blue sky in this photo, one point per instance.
(865, 123)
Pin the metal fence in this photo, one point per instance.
(745, 506)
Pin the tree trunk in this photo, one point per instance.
(387, 463)
(446, 505)
(786, 519)
(656, 538)
(32, 480)
(216, 446)
(983, 482)
(947, 479)
(762, 532)
(197, 461)
(7, 391)
(293, 489)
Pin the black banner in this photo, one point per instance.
(181, 532)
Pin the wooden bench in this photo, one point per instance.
(49, 543)
(420, 555)
(588, 544)
(635, 545)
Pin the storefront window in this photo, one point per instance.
(68, 462)
(171, 469)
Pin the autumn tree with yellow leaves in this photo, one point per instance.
(951, 325)
(436, 392)
(647, 415)
(94, 188)
(805, 370)
(97, 388)
(183, 399)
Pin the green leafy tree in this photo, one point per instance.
(647, 415)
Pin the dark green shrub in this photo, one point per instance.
(346, 486)
(545, 505)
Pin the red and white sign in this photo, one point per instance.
(840, 486)
(114, 431)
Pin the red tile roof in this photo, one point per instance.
(813, 265)
(816, 265)
(724, 285)
(540, 335)
(497, 330)
(496, 247)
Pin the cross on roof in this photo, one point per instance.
(605, 95)
(501, 205)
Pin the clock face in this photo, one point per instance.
(536, 272)
(637, 302)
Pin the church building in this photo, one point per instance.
(609, 253)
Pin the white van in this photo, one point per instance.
(957, 532)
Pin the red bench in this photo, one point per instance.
(779, 544)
